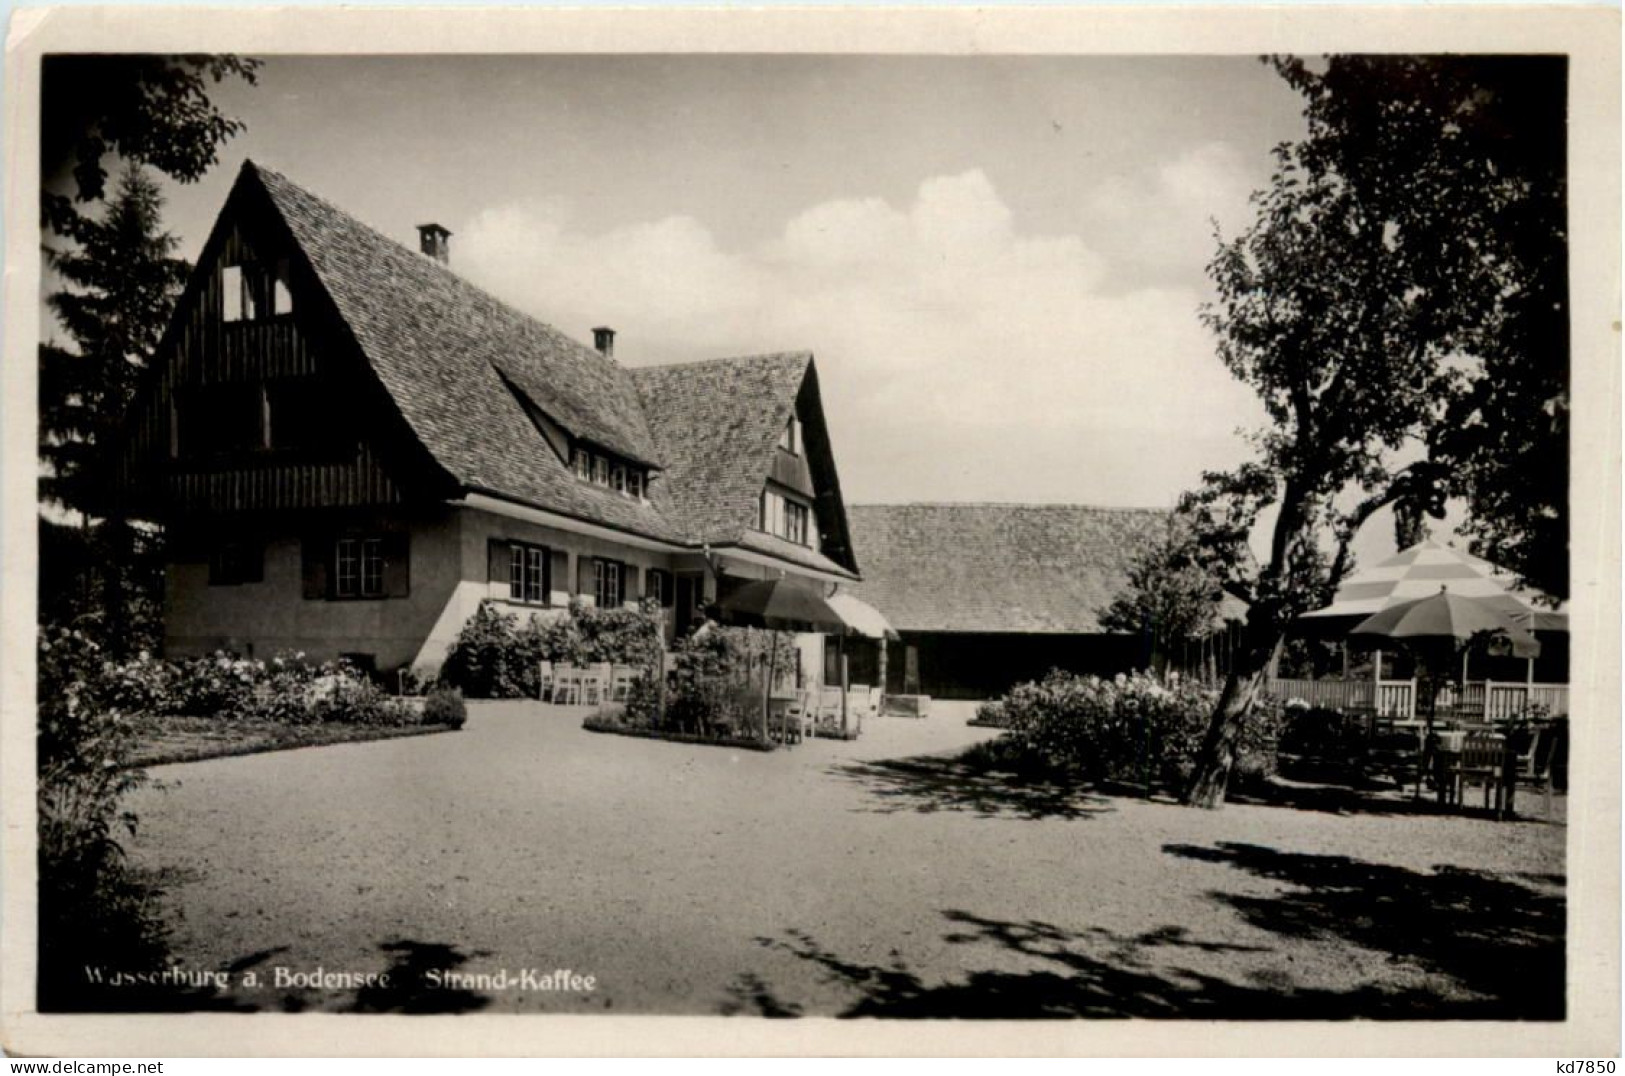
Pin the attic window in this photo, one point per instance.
(790, 439)
(254, 292)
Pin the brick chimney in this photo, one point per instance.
(435, 241)
(603, 338)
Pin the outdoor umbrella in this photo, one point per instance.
(778, 605)
(1443, 623)
(861, 618)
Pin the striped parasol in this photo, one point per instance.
(1419, 572)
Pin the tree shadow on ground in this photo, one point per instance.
(1095, 973)
(104, 946)
(1491, 936)
(407, 989)
(929, 783)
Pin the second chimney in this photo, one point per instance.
(603, 338)
(435, 241)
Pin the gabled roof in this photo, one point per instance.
(717, 424)
(466, 372)
(997, 567)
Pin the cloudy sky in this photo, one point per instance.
(998, 262)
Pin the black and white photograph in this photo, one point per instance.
(948, 534)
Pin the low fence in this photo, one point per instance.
(1495, 700)
(1388, 698)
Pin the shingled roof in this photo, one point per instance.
(717, 424)
(997, 567)
(462, 365)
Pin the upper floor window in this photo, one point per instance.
(790, 438)
(795, 522)
(254, 292)
(219, 418)
(600, 470)
(303, 413)
(786, 518)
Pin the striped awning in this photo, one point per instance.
(1421, 570)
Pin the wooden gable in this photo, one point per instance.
(814, 473)
(259, 398)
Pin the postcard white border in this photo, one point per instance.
(1590, 36)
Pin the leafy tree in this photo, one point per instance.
(1172, 597)
(143, 108)
(123, 279)
(1497, 178)
(1389, 256)
(122, 282)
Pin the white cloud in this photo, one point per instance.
(1163, 221)
(959, 357)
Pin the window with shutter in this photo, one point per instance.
(498, 560)
(558, 575)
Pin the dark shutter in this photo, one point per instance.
(558, 572)
(498, 559)
(316, 551)
(397, 552)
(253, 561)
(651, 578)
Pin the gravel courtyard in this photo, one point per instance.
(831, 879)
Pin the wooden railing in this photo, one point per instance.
(1494, 700)
(1390, 698)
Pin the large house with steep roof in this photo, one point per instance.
(351, 447)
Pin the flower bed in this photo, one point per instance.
(222, 705)
(613, 721)
(168, 739)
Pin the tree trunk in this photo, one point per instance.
(1249, 666)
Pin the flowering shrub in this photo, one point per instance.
(498, 657)
(488, 661)
(287, 689)
(92, 908)
(716, 687)
(1134, 728)
(445, 706)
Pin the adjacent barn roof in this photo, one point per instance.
(463, 368)
(997, 567)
